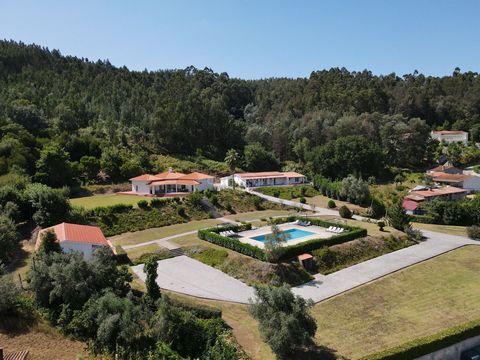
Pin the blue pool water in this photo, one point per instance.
(291, 233)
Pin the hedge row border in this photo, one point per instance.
(212, 235)
(429, 344)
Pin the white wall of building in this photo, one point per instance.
(140, 187)
(449, 138)
(86, 249)
(472, 184)
(205, 184)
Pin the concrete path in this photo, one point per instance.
(324, 287)
(188, 276)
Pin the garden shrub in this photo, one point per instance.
(429, 344)
(474, 232)
(211, 257)
(303, 200)
(425, 219)
(159, 202)
(331, 204)
(143, 204)
(156, 256)
(181, 211)
(345, 212)
(381, 225)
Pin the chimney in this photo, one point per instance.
(170, 170)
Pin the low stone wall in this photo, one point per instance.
(452, 352)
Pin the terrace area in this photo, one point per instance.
(295, 234)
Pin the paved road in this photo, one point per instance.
(324, 287)
(188, 276)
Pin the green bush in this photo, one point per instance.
(303, 200)
(181, 211)
(159, 202)
(381, 225)
(143, 204)
(425, 219)
(429, 344)
(331, 204)
(474, 232)
(157, 256)
(201, 311)
(345, 212)
(212, 257)
(211, 235)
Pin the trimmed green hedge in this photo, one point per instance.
(425, 219)
(212, 235)
(426, 345)
(307, 246)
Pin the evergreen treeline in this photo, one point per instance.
(64, 118)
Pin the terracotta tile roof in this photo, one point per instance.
(439, 176)
(197, 176)
(442, 168)
(169, 175)
(415, 197)
(304, 257)
(76, 233)
(175, 182)
(17, 355)
(292, 174)
(410, 204)
(438, 192)
(144, 177)
(268, 174)
(449, 132)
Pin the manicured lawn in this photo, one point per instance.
(91, 202)
(135, 253)
(161, 232)
(418, 301)
(447, 229)
(255, 215)
(322, 201)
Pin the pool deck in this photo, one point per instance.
(318, 233)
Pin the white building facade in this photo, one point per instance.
(259, 179)
(450, 136)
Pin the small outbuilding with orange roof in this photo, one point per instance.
(75, 237)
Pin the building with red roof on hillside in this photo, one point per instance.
(75, 237)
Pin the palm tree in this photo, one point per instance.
(231, 158)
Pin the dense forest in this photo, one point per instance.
(66, 120)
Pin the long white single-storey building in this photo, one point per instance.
(171, 182)
(450, 136)
(74, 237)
(258, 179)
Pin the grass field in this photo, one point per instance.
(255, 215)
(135, 253)
(138, 237)
(416, 302)
(43, 343)
(322, 201)
(90, 202)
(447, 229)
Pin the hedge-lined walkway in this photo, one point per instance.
(203, 281)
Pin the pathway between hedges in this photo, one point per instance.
(188, 276)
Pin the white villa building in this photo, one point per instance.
(450, 136)
(257, 179)
(74, 237)
(170, 182)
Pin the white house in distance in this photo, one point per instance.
(170, 182)
(74, 237)
(450, 136)
(257, 179)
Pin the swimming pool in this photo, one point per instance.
(292, 234)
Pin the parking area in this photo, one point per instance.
(188, 276)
